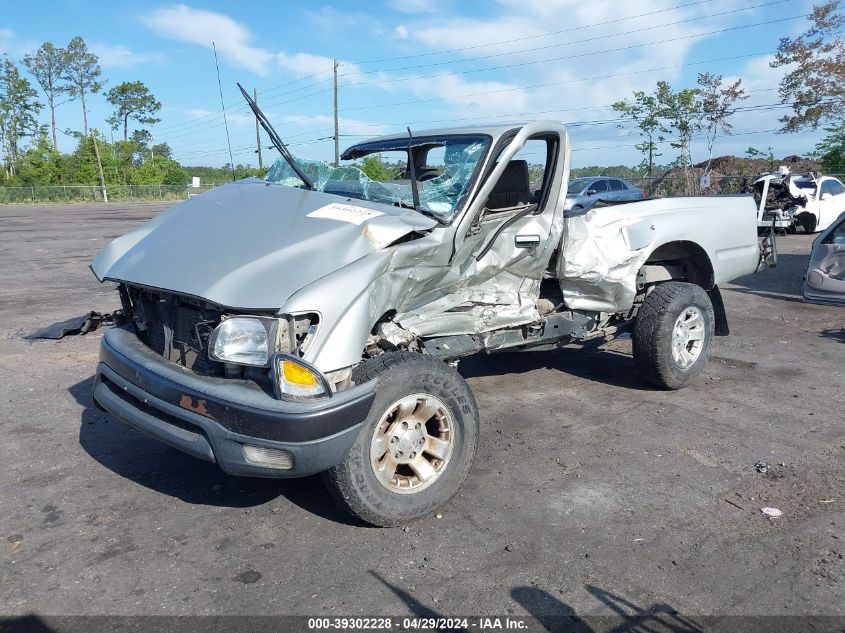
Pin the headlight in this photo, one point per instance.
(296, 380)
(243, 340)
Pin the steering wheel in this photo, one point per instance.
(428, 174)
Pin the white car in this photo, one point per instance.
(825, 201)
(810, 202)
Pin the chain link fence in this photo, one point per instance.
(40, 194)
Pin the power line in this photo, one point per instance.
(559, 83)
(200, 121)
(595, 38)
(574, 56)
(530, 37)
(244, 107)
(201, 125)
(326, 133)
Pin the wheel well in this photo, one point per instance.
(682, 260)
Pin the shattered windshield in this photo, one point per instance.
(379, 171)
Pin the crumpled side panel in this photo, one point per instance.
(505, 301)
(602, 251)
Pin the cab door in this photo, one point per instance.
(825, 278)
(505, 240)
(831, 203)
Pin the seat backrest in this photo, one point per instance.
(513, 188)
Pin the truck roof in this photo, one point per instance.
(496, 131)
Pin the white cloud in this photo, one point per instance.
(197, 26)
(346, 125)
(119, 56)
(11, 44)
(198, 113)
(304, 63)
(401, 32)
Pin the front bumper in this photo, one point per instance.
(212, 418)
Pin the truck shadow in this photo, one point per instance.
(554, 615)
(149, 463)
(784, 283)
(598, 365)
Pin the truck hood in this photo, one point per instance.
(251, 244)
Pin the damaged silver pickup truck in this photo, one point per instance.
(312, 321)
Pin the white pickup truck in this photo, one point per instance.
(312, 321)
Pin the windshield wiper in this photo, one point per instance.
(276, 139)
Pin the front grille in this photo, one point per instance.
(176, 328)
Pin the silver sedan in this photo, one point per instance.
(583, 193)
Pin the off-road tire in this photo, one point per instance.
(353, 482)
(653, 330)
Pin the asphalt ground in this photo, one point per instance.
(592, 492)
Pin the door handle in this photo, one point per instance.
(526, 241)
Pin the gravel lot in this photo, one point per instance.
(592, 493)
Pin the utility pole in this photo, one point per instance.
(100, 168)
(336, 134)
(257, 134)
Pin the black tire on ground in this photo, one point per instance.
(666, 305)
(354, 483)
(809, 223)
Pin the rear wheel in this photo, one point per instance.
(673, 333)
(415, 448)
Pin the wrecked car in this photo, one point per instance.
(824, 282)
(312, 321)
(786, 201)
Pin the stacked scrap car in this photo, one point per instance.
(787, 201)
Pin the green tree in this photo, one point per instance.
(82, 72)
(680, 113)
(160, 171)
(41, 164)
(644, 111)
(815, 60)
(18, 111)
(132, 100)
(831, 149)
(47, 65)
(717, 106)
(161, 149)
(374, 168)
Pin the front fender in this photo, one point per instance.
(349, 301)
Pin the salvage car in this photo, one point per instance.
(583, 193)
(786, 200)
(824, 282)
(311, 321)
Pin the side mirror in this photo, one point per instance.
(827, 196)
(591, 192)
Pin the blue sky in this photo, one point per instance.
(504, 60)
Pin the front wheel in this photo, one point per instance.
(416, 446)
(673, 333)
(809, 223)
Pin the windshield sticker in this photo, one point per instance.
(345, 213)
